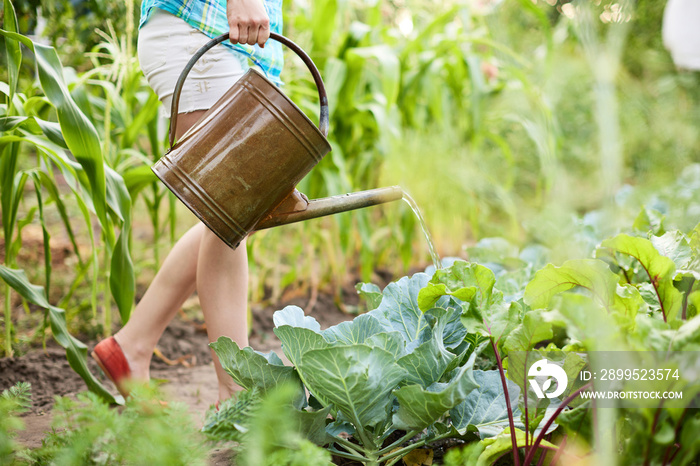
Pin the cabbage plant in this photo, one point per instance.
(395, 372)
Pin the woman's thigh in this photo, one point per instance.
(166, 43)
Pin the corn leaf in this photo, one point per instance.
(12, 49)
(76, 351)
(46, 237)
(8, 169)
(138, 178)
(48, 183)
(121, 278)
(79, 133)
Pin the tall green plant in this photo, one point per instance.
(125, 111)
(94, 185)
(132, 130)
(107, 193)
(21, 124)
(411, 94)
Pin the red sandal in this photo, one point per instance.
(110, 357)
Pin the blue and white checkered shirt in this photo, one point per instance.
(209, 16)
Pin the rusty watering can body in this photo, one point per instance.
(236, 165)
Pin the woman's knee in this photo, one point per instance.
(211, 241)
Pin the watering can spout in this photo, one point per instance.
(293, 209)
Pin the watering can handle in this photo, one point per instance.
(323, 118)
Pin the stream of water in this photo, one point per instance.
(428, 238)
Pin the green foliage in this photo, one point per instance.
(13, 402)
(485, 310)
(227, 422)
(585, 304)
(124, 107)
(406, 366)
(396, 356)
(465, 456)
(252, 370)
(70, 26)
(468, 93)
(484, 410)
(501, 444)
(398, 351)
(370, 293)
(88, 431)
(420, 408)
(659, 269)
(603, 306)
(94, 186)
(76, 351)
(277, 433)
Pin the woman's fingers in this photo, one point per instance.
(233, 33)
(248, 22)
(263, 34)
(243, 33)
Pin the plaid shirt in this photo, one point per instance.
(209, 16)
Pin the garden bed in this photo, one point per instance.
(191, 380)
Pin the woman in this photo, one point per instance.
(170, 32)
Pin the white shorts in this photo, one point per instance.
(165, 45)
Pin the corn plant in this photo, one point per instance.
(95, 188)
(410, 94)
(128, 108)
(125, 109)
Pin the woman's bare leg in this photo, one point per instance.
(222, 286)
(172, 285)
(220, 274)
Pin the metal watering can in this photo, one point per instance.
(238, 164)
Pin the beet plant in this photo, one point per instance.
(639, 296)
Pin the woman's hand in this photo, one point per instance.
(248, 22)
